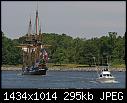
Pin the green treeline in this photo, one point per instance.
(68, 50)
(10, 54)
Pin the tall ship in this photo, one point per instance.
(34, 53)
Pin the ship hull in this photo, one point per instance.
(35, 72)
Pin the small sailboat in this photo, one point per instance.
(35, 56)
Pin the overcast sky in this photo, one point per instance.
(75, 18)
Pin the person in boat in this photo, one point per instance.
(106, 69)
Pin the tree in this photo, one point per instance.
(65, 49)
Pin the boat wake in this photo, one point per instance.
(19, 74)
(109, 82)
(93, 81)
(116, 82)
(104, 82)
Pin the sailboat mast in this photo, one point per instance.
(37, 21)
(30, 27)
(37, 36)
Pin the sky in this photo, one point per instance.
(83, 19)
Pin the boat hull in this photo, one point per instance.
(35, 72)
(106, 80)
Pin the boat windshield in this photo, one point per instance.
(110, 75)
(106, 75)
(101, 75)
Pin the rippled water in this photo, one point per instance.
(59, 79)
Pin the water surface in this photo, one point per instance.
(59, 79)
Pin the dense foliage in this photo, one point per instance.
(65, 49)
(10, 54)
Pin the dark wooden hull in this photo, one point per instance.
(35, 72)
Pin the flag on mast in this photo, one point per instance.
(45, 55)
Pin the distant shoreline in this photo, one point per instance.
(63, 69)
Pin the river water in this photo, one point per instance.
(59, 79)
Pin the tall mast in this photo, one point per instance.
(30, 27)
(37, 21)
(40, 29)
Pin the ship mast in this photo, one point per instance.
(38, 35)
(30, 27)
(37, 22)
(33, 44)
(29, 35)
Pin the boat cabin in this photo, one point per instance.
(105, 74)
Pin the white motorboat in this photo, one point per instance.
(106, 77)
